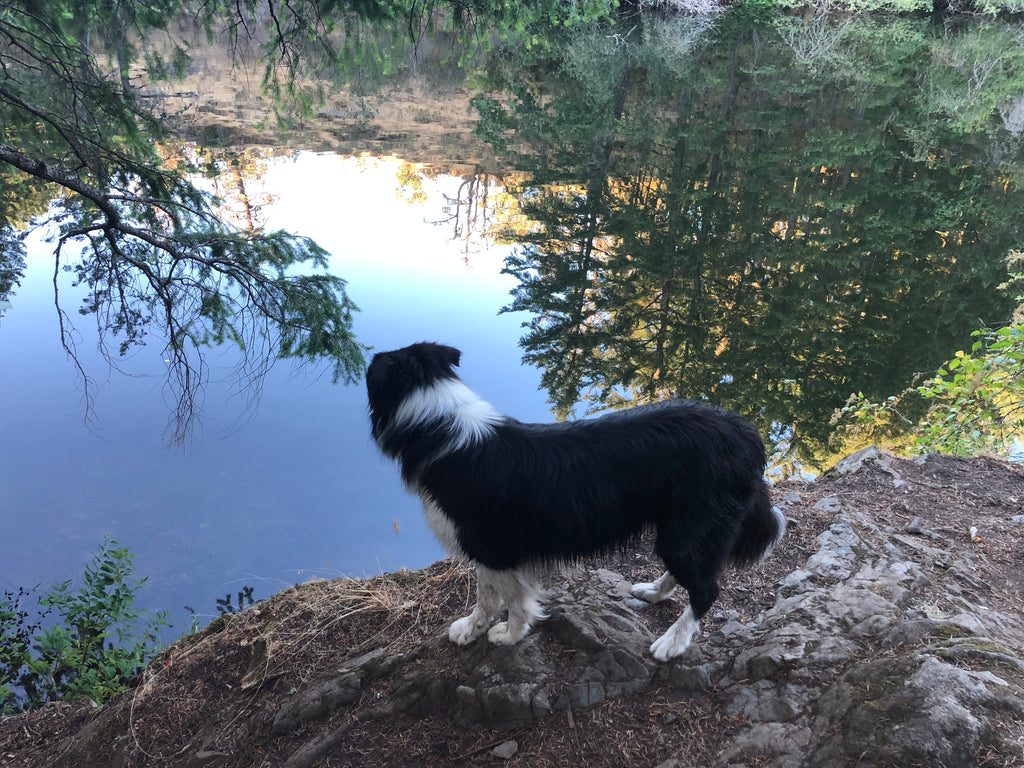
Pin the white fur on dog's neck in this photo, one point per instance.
(473, 419)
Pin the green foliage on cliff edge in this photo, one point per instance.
(973, 404)
(90, 641)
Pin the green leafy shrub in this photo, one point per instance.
(97, 642)
(973, 404)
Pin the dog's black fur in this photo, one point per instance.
(514, 495)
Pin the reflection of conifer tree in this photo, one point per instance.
(733, 231)
(561, 264)
(561, 283)
(667, 298)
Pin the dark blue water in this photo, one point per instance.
(269, 493)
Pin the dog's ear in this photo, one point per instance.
(451, 356)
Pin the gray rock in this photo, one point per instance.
(506, 750)
(763, 701)
(508, 703)
(828, 504)
(914, 709)
(317, 702)
(766, 738)
(582, 695)
(468, 706)
(883, 461)
(838, 553)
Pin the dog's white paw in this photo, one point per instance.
(669, 645)
(654, 591)
(676, 640)
(648, 592)
(464, 631)
(501, 634)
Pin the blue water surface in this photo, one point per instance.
(267, 493)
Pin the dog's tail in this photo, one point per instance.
(760, 531)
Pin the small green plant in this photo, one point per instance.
(97, 642)
(245, 599)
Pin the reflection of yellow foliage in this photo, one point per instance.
(507, 223)
(410, 183)
(23, 198)
(237, 176)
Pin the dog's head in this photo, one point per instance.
(393, 376)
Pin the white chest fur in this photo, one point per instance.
(443, 528)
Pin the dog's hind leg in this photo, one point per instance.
(488, 602)
(522, 596)
(656, 590)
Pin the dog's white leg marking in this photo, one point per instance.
(488, 602)
(522, 596)
(677, 639)
(654, 591)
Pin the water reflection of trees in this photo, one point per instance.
(160, 285)
(767, 230)
(20, 200)
(471, 211)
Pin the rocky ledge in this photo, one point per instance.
(886, 631)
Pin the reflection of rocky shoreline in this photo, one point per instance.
(409, 115)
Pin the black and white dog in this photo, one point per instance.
(513, 496)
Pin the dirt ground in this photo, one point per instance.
(197, 702)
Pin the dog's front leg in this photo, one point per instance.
(488, 602)
(677, 639)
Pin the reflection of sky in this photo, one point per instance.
(298, 489)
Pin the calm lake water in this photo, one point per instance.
(266, 494)
(768, 213)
